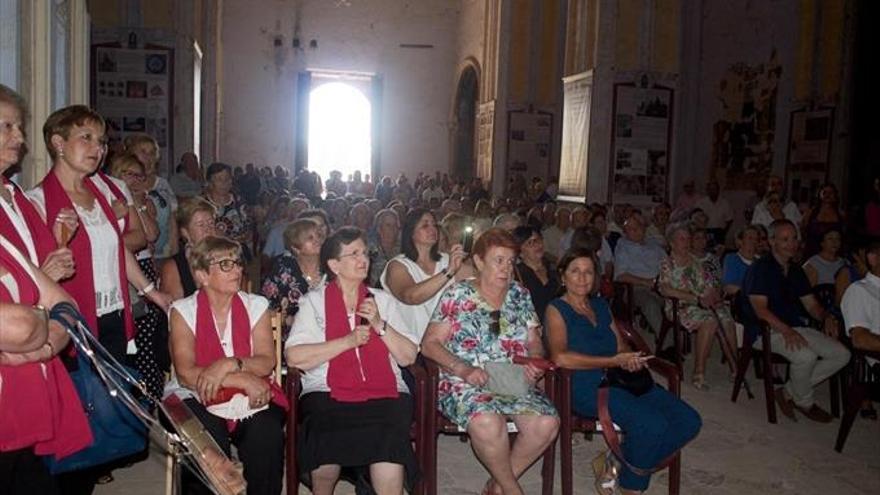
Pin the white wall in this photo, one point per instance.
(259, 79)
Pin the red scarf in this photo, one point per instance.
(39, 406)
(361, 374)
(208, 346)
(40, 233)
(81, 286)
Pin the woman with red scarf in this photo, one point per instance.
(105, 267)
(20, 221)
(350, 343)
(223, 356)
(40, 411)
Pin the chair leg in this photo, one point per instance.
(679, 349)
(661, 339)
(565, 459)
(675, 474)
(745, 357)
(769, 397)
(548, 469)
(856, 395)
(834, 385)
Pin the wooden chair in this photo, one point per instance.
(277, 321)
(571, 423)
(680, 336)
(436, 423)
(294, 388)
(862, 384)
(768, 359)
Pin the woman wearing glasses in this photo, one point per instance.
(146, 149)
(223, 355)
(775, 211)
(151, 337)
(533, 269)
(350, 343)
(477, 323)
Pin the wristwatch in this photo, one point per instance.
(383, 330)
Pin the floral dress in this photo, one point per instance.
(462, 307)
(694, 278)
(287, 284)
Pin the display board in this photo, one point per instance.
(132, 88)
(529, 143)
(809, 151)
(640, 144)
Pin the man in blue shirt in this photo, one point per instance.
(637, 262)
(779, 292)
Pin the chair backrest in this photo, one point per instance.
(277, 324)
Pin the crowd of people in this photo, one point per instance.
(178, 278)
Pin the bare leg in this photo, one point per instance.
(324, 479)
(489, 440)
(535, 434)
(387, 478)
(705, 334)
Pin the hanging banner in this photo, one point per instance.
(577, 96)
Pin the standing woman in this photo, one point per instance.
(417, 277)
(151, 337)
(75, 140)
(40, 411)
(196, 220)
(823, 216)
(146, 149)
(20, 221)
(582, 336)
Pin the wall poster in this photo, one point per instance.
(528, 143)
(809, 151)
(132, 88)
(640, 143)
(485, 138)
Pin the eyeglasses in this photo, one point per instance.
(226, 265)
(495, 322)
(135, 176)
(356, 254)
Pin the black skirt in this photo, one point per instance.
(355, 435)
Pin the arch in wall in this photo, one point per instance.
(464, 118)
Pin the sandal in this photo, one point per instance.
(605, 472)
(489, 488)
(699, 382)
(105, 479)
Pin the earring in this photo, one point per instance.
(60, 152)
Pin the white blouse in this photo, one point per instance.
(103, 241)
(417, 316)
(309, 327)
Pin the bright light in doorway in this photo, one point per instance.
(339, 130)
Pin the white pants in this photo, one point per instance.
(807, 369)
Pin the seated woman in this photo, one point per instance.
(701, 306)
(533, 269)
(350, 343)
(822, 267)
(485, 320)
(221, 340)
(582, 336)
(196, 220)
(384, 243)
(40, 410)
(417, 277)
(296, 271)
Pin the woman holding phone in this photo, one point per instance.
(582, 336)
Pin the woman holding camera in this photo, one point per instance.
(417, 277)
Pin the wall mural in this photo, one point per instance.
(742, 142)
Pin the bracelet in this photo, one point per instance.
(146, 290)
(381, 331)
(51, 348)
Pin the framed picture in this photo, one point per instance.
(809, 152)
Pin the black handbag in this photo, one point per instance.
(117, 432)
(635, 382)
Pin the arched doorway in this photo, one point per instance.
(467, 96)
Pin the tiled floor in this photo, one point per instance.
(737, 452)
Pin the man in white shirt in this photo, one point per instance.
(718, 210)
(762, 215)
(557, 230)
(861, 305)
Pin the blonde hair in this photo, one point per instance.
(296, 229)
(189, 207)
(123, 163)
(202, 255)
(133, 140)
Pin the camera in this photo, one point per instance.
(467, 238)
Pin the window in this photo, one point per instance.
(60, 18)
(339, 129)
(10, 42)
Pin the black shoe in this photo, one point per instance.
(868, 413)
(815, 413)
(785, 404)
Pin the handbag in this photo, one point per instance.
(635, 382)
(117, 432)
(507, 379)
